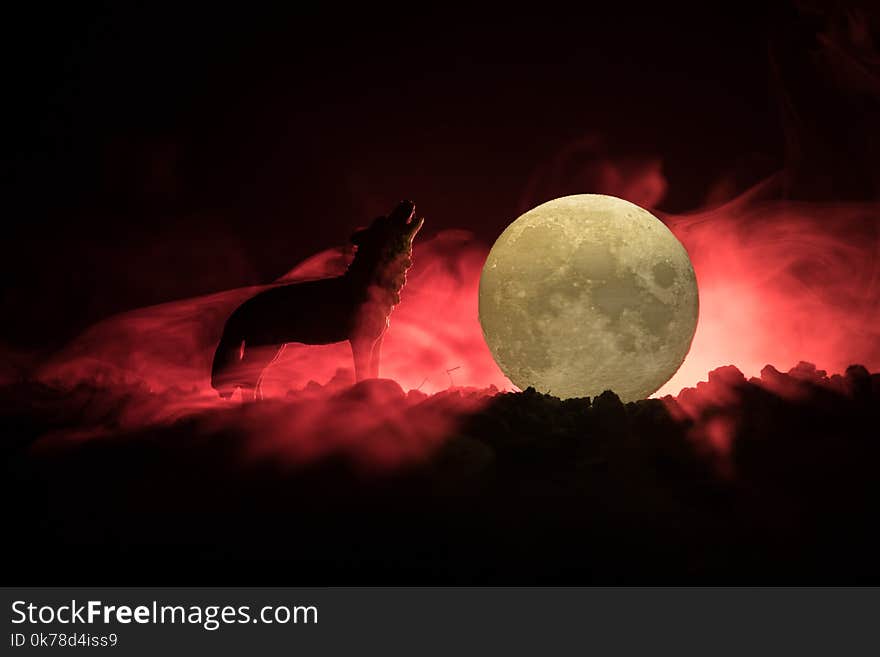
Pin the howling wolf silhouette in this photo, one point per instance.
(355, 307)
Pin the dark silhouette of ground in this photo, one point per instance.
(769, 480)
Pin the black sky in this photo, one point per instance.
(151, 155)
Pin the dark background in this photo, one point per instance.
(153, 154)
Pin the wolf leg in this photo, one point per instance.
(258, 389)
(374, 357)
(361, 349)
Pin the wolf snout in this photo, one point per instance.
(415, 226)
(404, 212)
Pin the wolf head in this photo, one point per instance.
(384, 249)
(393, 233)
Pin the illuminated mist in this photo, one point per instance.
(780, 283)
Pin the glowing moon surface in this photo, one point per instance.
(588, 293)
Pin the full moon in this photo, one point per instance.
(588, 293)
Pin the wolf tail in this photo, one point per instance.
(227, 361)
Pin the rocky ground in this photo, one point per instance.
(768, 480)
